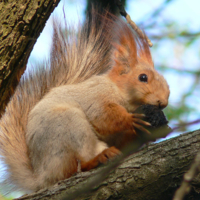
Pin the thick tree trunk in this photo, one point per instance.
(154, 173)
(21, 23)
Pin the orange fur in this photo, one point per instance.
(115, 119)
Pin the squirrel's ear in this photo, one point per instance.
(121, 52)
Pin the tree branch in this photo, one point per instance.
(21, 23)
(155, 172)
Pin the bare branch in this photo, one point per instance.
(152, 173)
(185, 187)
(131, 23)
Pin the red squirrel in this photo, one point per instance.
(78, 107)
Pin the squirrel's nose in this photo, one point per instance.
(162, 104)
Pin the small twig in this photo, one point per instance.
(186, 124)
(185, 187)
(131, 23)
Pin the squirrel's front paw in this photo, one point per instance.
(138, 122)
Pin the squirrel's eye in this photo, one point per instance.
(143, 78)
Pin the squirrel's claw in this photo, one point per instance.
(138, 126)
(136, 119)
(137, 122)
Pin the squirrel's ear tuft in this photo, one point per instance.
(144, 54)
(128, 47)
(125, 50)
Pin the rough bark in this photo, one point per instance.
(20, 25)
(153, 173)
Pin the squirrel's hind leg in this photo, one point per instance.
(103, 157)
(58, 138)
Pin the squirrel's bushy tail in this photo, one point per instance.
(74, 58)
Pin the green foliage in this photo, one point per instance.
(6, 198)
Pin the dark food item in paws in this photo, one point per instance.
(156, 118)
(153, 115)
(158, 121)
